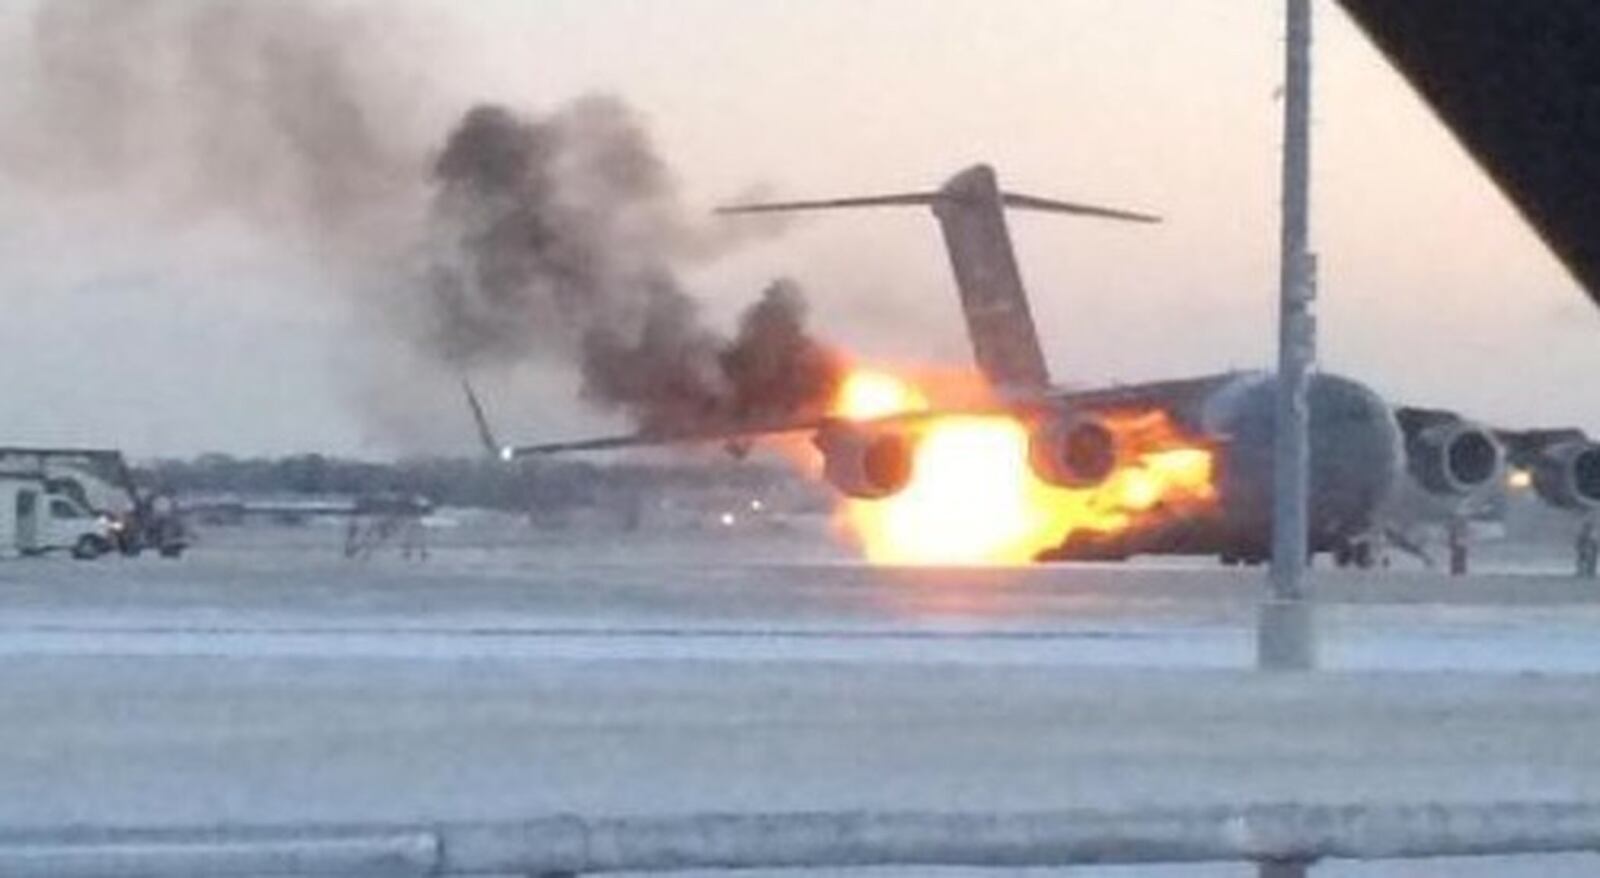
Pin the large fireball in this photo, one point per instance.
(974, 499)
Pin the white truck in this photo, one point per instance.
(39, 515)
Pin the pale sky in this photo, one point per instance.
(1432, 288)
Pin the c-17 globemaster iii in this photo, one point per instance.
(1363, 449)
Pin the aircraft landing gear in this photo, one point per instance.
(1243, 558)
(1354, 553)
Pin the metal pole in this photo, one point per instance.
(1285, 638)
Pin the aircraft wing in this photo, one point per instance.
(1523, 446)
(735, 435)
(645, 439)
(1457, 458)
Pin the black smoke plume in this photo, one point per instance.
(565, 232)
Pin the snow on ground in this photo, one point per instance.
(256, 683)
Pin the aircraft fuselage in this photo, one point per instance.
(1357, 460)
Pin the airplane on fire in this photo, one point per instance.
(1364, 451)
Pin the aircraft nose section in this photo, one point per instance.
(1356, 458)
(1356, 452)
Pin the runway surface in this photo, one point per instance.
(573, 606)
(284, 686)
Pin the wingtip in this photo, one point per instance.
(481, 420)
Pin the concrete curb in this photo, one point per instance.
(221, 853)
(562, 845)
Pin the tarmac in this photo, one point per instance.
(261, 686)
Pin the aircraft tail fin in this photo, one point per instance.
(971, 212)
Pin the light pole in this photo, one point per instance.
(1285, 638)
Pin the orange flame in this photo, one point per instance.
(974, 498)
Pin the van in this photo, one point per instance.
(37, 517)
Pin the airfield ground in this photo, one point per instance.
(268, 680)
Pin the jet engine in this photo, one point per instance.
(1072, 452)
(866, 464)
(1453, 456)
(1567, 474)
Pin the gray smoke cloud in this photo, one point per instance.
(513, 238)
(287, 115)
(566, 231)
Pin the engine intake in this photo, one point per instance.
(1454, 457)
(866, 464)
(1073, 452)
(1567, 475)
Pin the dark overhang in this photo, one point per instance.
(1518, 82)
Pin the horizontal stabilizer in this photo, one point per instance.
(933, 199)
(903, 200)
(971, 209)
(1033, 202)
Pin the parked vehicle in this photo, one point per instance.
(39, 515)
(96, 491)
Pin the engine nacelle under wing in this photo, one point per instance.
(1567, 475)
(868, 464)
(1448, 455)
(1075, 452)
